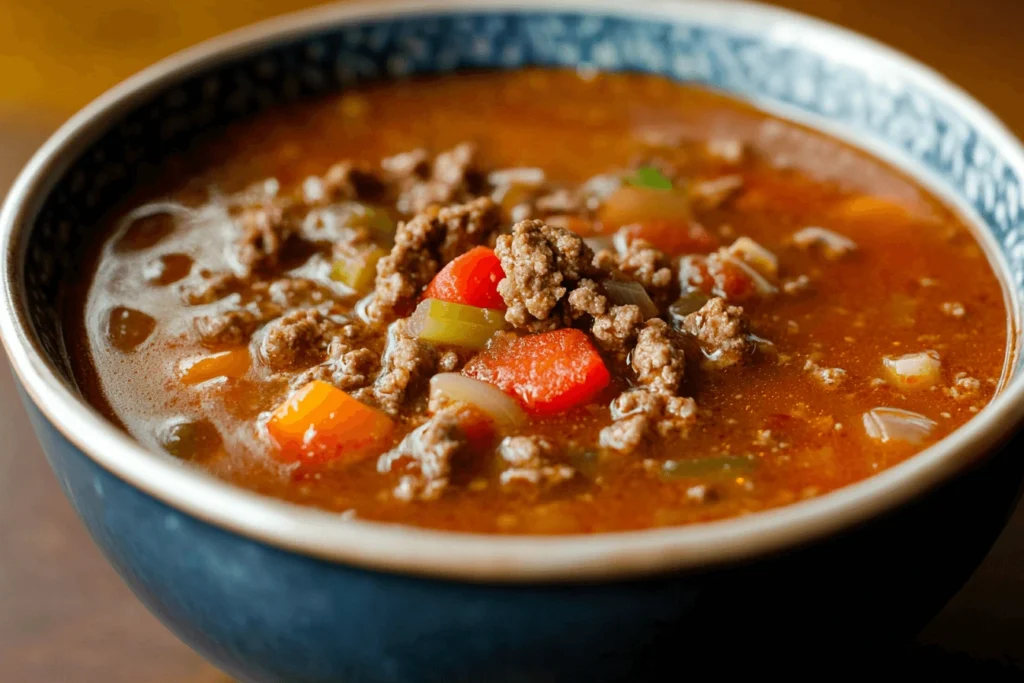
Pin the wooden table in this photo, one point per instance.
(64, 614)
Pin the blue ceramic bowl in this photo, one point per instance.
(274, 592)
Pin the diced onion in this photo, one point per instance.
(914, 371)
(599, 243)
(893, 424)
(496, 404)
(631, 204)
(626, 292)
(832, 243)
(756, 256)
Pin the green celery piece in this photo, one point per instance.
(649, 177)
(358, 271)
(733, 465)
(442, 322)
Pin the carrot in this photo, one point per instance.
(674, 236)
(320, 423)
(548, 372)
(231, 363)
(471, 279)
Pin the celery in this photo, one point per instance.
(442, 322)
(358, 270)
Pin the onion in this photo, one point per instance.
(517, 176)
(893, 424)
(752, 253)
(832, 244)
(625, 293)
(493, 402)
(914, 371)
(599, 243)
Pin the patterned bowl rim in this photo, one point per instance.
(463, 556)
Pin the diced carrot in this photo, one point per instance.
(231, 363)
(320, 423)
(471, 279)
(674, 236)
(548, 372)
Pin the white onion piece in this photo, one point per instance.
(490, 400)
(893, 424)
(625, 293)
(599, 243)
(763, 287)
(756, 256)
(531, 177)
(832, 244)
(914, 371)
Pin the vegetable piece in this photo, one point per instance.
(914, 371)
(630, 204)
(725, 465)
(833, 245)
(757, 257)
(377, 221)
(738, 280)
(442, 322)
(549, 372)
(358, 270)
(232, 363)
(471, 279)
(319, 423)
(893, 424)
(650, 178)
(868, 208)
(688, 303)
(628, 292)
(673, 236)
(499, 408)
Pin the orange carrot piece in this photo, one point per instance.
(548, 372)
(320, 423)
(674, 237)
(232, 363)
(471, 279)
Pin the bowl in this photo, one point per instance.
(270, 591)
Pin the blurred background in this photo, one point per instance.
(65, 616)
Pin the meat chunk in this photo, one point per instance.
(234, 326)
(721, 330)
(541, 263)
(658, 358)
(453, 177)
(641, 415)
(298, 339)
(422, 246)
(529, 460)
(586, 300)
(617, 330)
(347, 180)
(830, 378)
(353, 360)
(265, 228)
(408, 165)
(425, 456)
(833, 245)
(651, 268)
(405, 363)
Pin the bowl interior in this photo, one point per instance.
(819, 75)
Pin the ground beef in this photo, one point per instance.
(230, 328)
(406, 363)
(298, 339)
(350, 181)
(453, 177)
(616, 331)
(658, 358)
(425, 456)
(353, 360)
(830, 378)
(541, 263)
(529, 460)
(651, 268)
(641, 415)
(408, 165)
(721, 330)
(953, 309)
(265, 228)
(422, 246)
(216, 287)
(586, 300)
(964, 387)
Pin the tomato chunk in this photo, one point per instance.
(548, 372)
(320, 423)
(471, 279)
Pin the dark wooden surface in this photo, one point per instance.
(64, 614)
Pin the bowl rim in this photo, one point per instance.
(459, 555)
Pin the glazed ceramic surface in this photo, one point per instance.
(274, 592)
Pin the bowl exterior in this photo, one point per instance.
(266, 615)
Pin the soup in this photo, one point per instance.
(535, 302)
